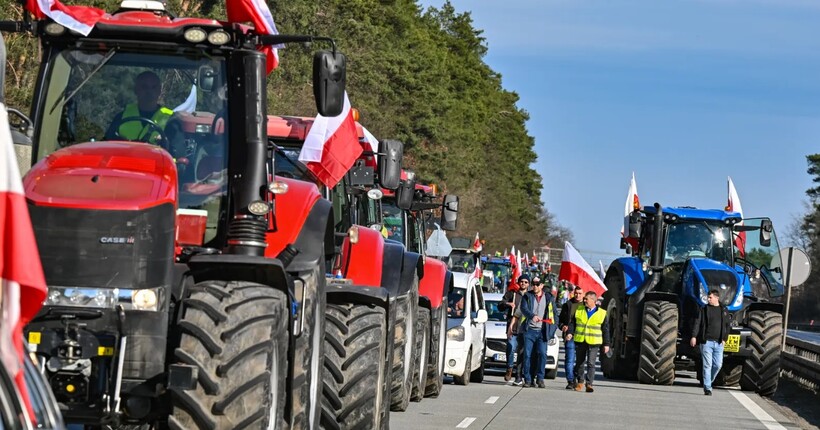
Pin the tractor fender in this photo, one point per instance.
(632, 271)
(765, 306)
(424, 302)
(434, 283)
(362, 259)
(315, 240)
(301, 221)
(349, 293)
(236, 267)
(393, 269)
(657, 296)
(412, 266)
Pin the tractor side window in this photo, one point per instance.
(393, 222)
(748, 245)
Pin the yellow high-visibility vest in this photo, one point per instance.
(136, 130)
(589, 329)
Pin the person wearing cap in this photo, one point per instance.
(539, 316)
(567, 311)
(510, 303)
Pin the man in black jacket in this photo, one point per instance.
(567, 311)
(510, 302)
(710, 329)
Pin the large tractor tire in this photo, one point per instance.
(729, 375)
(423, 346)
(435, 369)
(404, 349)
(464, 378)
(762, 370)
(658, 343)
(621, 362)
(236, 334)
(309, 352)
(355, 367)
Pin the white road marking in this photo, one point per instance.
(757, 411)
(465, 423)
(491, 400)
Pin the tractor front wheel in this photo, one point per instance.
(762, 370)
(435, 370)
(423, 347)
(658, 343)
(404, 352)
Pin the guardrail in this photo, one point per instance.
(800, 362)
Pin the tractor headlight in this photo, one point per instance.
(456, 334)
(195, 35)
(739, 299)
(104, 298)
(219, 37)
(54, 29)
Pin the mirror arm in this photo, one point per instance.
(278, 39)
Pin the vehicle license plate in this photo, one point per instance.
(500, 357)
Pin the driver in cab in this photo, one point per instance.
(127, 124)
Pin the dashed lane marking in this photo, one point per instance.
(465, 423)
(491, 400)
(757, 411)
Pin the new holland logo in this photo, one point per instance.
(117, 240)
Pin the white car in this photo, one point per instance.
(496, 353)
(466, 315)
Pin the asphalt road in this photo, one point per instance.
(495, 404)
(808, 336)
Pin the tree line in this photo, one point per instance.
(805, 233)
(414, 74)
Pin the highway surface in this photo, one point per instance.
(495, 404)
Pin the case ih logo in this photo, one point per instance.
(117, 240)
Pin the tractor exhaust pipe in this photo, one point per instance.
(656, 266)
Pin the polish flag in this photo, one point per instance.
(22, 284)
(370, 143)
(78, 18)
(632, 204)
(477, 273)
(477, 247)
(257, 12)
(734, 206)
(332, 146)
(576, 271)
(516, 270)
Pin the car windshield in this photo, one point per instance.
(455, 303)
(493, 312)
(174, 98)
(461, 262)
(500, 270)
(706, 239)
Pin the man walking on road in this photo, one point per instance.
(589, 328)
(567, 311)
(539, 315)
(511, 302)
(710, 328)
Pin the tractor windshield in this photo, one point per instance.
(393, 221)
(171, 97)
(500, 270)
(706, 239)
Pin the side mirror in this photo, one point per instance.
(206, 78)
(329, 78)
(634, 225)
(481, 316)
(766, 229)
(449, 213)
(404, 194)
(390, 164)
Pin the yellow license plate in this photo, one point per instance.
(733, 344)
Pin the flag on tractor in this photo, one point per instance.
(370, 144)
(257, 12)
(81, 19)
(576, 271)
(516, 270)
(632, 204)
(734, 206)
(332, 146)
(477, 247)
(22, 283)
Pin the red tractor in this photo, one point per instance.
(372, 278)
(405, 213)
(181, 293)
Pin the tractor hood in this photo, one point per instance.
(701, 275)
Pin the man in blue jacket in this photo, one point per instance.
(538, 323)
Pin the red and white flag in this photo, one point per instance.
(733, 205)
(477, 247)
(22, 284)
(332, 146)
(516, 270)
(477, 273)
(78, 18)
(257, 12)
(576, 271)
(632, 204)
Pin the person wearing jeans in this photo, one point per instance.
(710, 328)
(510, 302)
(538, 323)
(567, 311)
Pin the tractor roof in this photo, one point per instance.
(690, 213)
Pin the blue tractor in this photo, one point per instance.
(677, 255)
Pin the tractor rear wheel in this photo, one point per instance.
(762, 370)
(355, 366)
(658, 343)
(435, 370)
(236, 335)
(613, 365)
(309, 351)
(729, 375)
(423, 346)
(404, 349)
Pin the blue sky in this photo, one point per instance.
(683, 93)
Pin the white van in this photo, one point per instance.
(466, 335)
